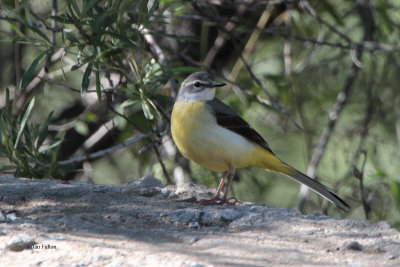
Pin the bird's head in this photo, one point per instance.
(198, 86)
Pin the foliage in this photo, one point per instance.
(22, 143)
(317, 79)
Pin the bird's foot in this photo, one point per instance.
(213, 201)
(232, 201)
(219, 201)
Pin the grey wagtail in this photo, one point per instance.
(213, 135)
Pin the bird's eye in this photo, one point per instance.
(197, 84)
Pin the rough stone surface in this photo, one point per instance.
(143, 223)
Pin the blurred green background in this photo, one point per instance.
(79, 77)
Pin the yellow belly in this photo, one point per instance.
(199, 138)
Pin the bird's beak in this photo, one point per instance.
(215, 84)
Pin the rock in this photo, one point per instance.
(20, 243)
(194, 225)
(210, 217)
(185, 238)
(191, 190)
(108, 225)
(192, 264)
(231, 215)
(147, 181)
(8, 216)
(353, 245)
(165, 192)
(246, 221)
(146, 186)
(3, 217)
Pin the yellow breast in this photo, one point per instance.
(199, 138)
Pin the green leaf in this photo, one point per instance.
(81, 128)
(143, 12)
(43, 131)
(83, 62)
(154, 7)
(89, 5)
(86, 79)
(73, 7)
(28, 13)
(70, 37)
(54, 145)
(14, 15)
(154, 106)
(23, 122)
(147, 111)
(36, 30)
(30, 72)
(122, 38)
(395, 186)
(16, 29)
(61, 18)
(27, 23)
(98, 87)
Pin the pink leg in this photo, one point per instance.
(225, 200)
(230, 175)
(221, 184)
(216, 200)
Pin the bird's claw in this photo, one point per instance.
(219, 201)
(232, 201)
(213, 201)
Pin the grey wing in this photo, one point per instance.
(228, 118)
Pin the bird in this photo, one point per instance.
(212, 134)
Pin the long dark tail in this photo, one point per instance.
(318, 188)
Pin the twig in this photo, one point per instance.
(287, 46)
(251, 42)
(103, 152)
(366, 45)
(360, 176)
(159, 54)
(221, 38)
(73, 89)
(167, 177)
(304, 4)
(274, 102)
(17, 65)
(341, 101)
(53, 33)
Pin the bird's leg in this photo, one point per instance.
(221, 184)
(216, 199)
(230, 175)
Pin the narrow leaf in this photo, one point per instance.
(154, 7)
(43, 131)
(72, 5)
(98, 88)
(86, 79)
(89, 5)
(143, 12)
(16, 29)
(36, 30)
(147, 110)
(30, 72)
(28, 13)
(83, 62)
(122, 38)
(23, 122)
